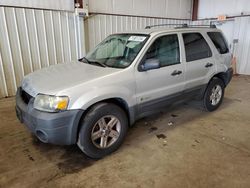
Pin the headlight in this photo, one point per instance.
(51, 103)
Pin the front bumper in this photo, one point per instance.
(56, 128)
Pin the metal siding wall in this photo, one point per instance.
(152, 8)
(66, 5)
(100, 26)
(213, 8)
(242, 49)
(32, 39)
(238, 28)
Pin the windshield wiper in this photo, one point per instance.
(92, 62)
(97, 63)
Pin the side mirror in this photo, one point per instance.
(150, 64)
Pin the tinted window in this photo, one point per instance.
(219, 42)
(196, 47)
(166, 49)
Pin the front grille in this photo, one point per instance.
(25, 96)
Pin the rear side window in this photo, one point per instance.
(219, 42)
(196, 47)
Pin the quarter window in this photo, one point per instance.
(196, 47)
(219, 42)
(166, 50)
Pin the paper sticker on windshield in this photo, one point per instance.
(136, 38)
(132, 44)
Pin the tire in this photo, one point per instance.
(102, 130)
(212, 99)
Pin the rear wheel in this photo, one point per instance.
(214, 94)
(102, 130)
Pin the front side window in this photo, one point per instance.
(219, 42)
(118, 50)
(196, 47)
(166, 50)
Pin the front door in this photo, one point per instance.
(155, 87)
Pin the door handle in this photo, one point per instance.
(176, 72)
(209, 65)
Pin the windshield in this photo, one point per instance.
(117, 50)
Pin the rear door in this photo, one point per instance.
(199, 60)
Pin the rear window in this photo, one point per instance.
(196, 47)
(219, 42)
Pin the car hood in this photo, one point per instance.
(58, 77)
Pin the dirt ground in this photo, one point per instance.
(182, 147)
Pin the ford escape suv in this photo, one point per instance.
(92, 102)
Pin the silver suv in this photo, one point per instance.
(126, 77)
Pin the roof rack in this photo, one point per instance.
(205, 26)
(182, 26)
(159, 25)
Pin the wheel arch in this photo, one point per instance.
(222, 76)
(117, 101)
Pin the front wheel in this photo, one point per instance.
(214, 94)
(102, 130)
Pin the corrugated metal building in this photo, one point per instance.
(32, 39)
